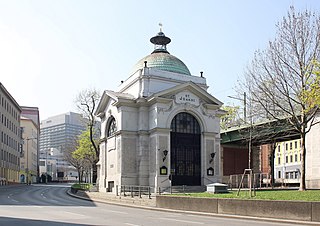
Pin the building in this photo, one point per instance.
(29, 158)
(58, 135)
(10, 140)
(287, 162)
(313, 155)
(161, 127)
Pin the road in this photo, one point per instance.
(49, 205)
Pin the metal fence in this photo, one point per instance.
(134, 190)
(259, 180)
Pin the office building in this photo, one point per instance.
(58, 135)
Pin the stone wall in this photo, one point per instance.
(291, 210)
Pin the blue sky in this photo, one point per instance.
(51, 50)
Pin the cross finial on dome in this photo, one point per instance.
(160, 25)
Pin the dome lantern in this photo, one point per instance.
(160, 41)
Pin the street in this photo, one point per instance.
(50, 205)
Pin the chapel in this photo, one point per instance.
(161, 128)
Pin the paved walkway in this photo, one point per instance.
(112, 198)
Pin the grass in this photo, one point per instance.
(293, 195)
(82, 186)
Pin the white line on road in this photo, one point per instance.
(132, 224)
(190, 222)
(114, 211)
(76, 214)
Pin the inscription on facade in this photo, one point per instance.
(187, 98)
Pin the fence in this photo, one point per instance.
(259, 180)
(134, 190)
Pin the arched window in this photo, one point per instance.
(112, 128)
(185, 123)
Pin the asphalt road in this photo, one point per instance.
(49, 205)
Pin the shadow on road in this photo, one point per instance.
(41, 195)
(10, 221)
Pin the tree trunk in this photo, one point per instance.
(271, 161)
(303, 161)
(95, 172)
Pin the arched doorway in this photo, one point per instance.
(185, 150)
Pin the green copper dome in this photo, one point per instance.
(160, 58)
(163, 61)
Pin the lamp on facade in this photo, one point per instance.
(165, 153)
(212, 157)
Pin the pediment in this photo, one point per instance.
(189, 93)
(117, 97)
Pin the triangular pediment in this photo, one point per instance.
(108, 96)
(188, 92)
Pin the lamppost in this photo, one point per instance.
(27, 157)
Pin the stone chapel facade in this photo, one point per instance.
(161, 127)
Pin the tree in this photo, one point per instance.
(73, 160)
(312, 95)
(86, 102)
(85, 153)
(231, 118)
(278, 76)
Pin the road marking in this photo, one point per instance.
(190, 222)
(132, 224)
(114, 211)
(76, 214)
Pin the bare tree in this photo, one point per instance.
(86, 102)
(277, 76)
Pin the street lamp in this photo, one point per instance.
(27, 157)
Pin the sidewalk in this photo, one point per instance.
(105, 197)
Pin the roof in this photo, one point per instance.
(163, 61)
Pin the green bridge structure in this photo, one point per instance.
(260, 133)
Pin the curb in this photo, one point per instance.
(194, 212)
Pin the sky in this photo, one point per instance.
(50, 50)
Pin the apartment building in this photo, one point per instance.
(29, 158)
(287, 162)
(11, 139)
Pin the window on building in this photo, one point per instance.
(286, 146)
(279, 174)
(279, 148)
(296, 144)
(290, 145)
(279, 160)
(296, 157)
(112, 128)
(291, 158)
(286, 159)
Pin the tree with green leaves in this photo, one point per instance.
(85, 153)
(278, 77)
(86, 102)
(312, 94)
(231, 118)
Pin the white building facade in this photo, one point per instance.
(313, 155)
(161, 128)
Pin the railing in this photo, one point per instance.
(259, 180)
(133, 190)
